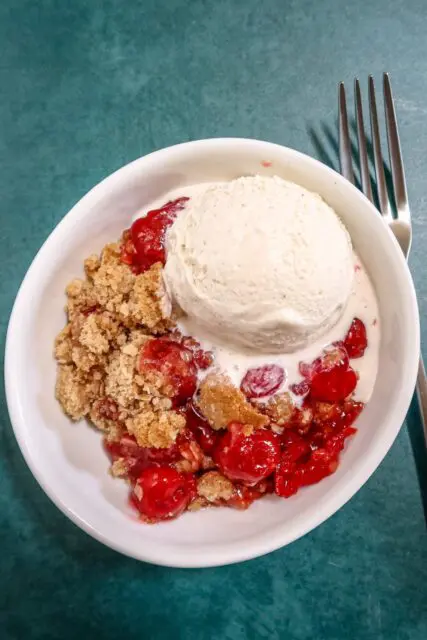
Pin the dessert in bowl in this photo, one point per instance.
(225, 338)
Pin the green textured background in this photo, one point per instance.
(87, 86)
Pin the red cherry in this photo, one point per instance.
(285, 484)
(314, 471)
(335, 443)
(143, 244)
(334, 357)
(351, 411)
(138, 458)
(247, 458)
(262, 381)
(333, 386)
(294, 447)
(174, 362)
(162, 493)
(356, 341)
(300, 388)
(126, 447)
(289, 477)
(148, 236)
(203, 359)
(244, 496)
(173, 206)
(202, 431)
(127, 249)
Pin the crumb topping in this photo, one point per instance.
(221, 403)
(119, 468)
(74, 392)
(156, 429)
(111, 314)
(280, 408)
(213, 486)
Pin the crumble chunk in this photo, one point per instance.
(113, 280)
(84, 359)
(119, 468)
(107, 416)
(64, 346)
(92, 265)
(120, 380)
(324, 411)
(97, 331)
(197, 504)
(221, 403)
(73, 394)
(156, 429)
(81, 297)
(145, 305)
(213, 486)
(280, 408)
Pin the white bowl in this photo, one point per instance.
(68, 460)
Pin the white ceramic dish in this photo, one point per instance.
(68, 460)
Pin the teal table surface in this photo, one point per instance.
(87, 86)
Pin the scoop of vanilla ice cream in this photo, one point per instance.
(259, 262)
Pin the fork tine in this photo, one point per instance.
(396, 162)
(361, 141)
(345, 147)
(379, 166)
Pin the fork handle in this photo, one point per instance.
(422, 394)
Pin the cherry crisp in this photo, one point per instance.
(181, 434)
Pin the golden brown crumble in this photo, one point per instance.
(92, 265)
(120, 378)
(63, 346)
(133, 300)
(323, 410)
(112, 281)
(113, 430)
(97, 331)
(146, 301)
(111, 313)
(74, 393)
(197, 504)
(305, 417)
(84, 359)
(119, 468)
(156, 428)
(280, 408)
(221, 403)
(81, 297)
(213, 486)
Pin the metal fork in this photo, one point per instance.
(401, 225)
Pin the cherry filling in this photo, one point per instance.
(248, 458)
(205, 436)
(303, 462)
(139, 458)
(356, 340)
(203, 359)
(330, 378)
(333, 386)
(162, 493)
(144, 243)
